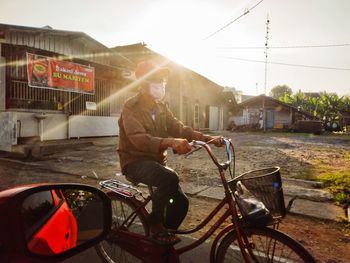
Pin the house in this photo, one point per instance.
(263, 112)
(246, 97)
(195, 100)
(55, 84)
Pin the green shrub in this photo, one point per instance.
(338, 183)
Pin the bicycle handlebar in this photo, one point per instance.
(197, 145)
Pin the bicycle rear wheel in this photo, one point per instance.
(122, 208)
(267, 245)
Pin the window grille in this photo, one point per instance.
(21, 96)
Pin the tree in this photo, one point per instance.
(327, 107)
(298, 100)
(345, 104)
(331, 105)
(279, 91)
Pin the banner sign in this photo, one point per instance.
(51, 73)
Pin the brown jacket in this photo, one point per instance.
(141, 136)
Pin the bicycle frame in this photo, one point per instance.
(152, 252)
(232, 211)
(141, 247)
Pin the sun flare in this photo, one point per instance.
(176, 30)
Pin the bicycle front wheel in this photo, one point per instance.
(122, 208)
(266, 244)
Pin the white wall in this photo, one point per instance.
(55, 125)
(90, 126)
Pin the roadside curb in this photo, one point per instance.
(38, 150)
(300, 206)
(320, 209)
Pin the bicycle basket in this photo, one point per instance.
(266, 185)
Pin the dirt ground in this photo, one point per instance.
(298, 155)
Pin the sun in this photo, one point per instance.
(176, 30)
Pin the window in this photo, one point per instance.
(36, 208)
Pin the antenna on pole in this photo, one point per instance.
(266, 49)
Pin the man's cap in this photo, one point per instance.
(148, 70)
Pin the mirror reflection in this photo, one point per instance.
(60, 219)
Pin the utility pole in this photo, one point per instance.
(266, 49)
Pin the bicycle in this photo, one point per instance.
(252, 235)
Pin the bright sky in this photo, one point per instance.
(177, 29)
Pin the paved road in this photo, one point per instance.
(200, 254)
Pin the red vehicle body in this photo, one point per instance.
(45, 223)
(53, 230)
(59, 232)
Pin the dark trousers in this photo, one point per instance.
(163, 178)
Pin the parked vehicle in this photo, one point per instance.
(51, 207)
(43, 223)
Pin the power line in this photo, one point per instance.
(285, 64)
(222, 28)
(287, 47)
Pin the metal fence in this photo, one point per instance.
(21, 96)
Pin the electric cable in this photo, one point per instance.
(231, 22)
(290, 47)
(285, 64)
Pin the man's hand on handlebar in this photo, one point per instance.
(216, 140)
(180, 146)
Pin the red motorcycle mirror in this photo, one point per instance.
(47, 223)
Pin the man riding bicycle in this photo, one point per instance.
(147, 130)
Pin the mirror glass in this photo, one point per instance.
(57, 220)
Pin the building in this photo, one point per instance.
(263, 112)
(195, 100)
(31, 108)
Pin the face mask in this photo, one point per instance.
(157, 90)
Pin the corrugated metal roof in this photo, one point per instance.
(50, 31)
